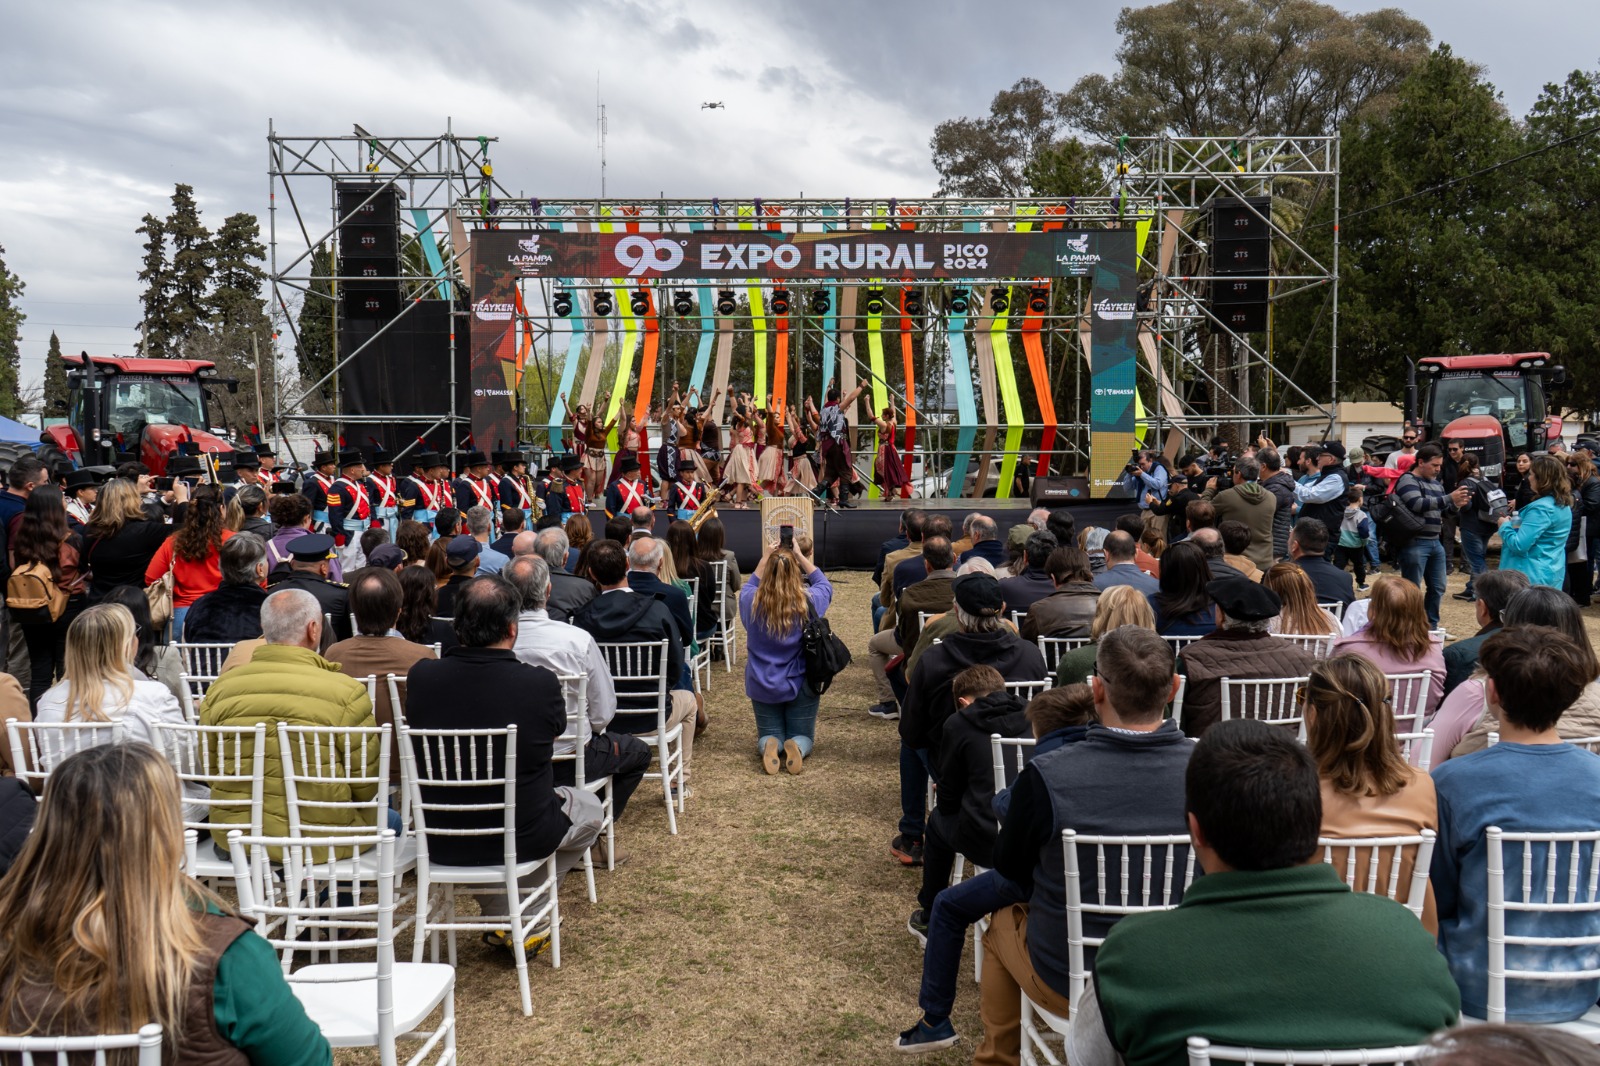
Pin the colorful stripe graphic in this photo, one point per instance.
(1006, 376)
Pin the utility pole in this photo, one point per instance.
(255, 349)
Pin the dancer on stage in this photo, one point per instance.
(741, 468)
(589, 436)
(690, 425)
(769, 456)
(888, 472)
(838, 470)
(801, 432)
(710, 436)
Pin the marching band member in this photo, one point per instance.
(269, 464)
(350, 508)
(385, 491)
(247, 465)
(423, 492)
(474, 489)
(324, 466)
(688, 492)
(565, 494)
(627, 492)
(516, 488)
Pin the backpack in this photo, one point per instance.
(1398, 523)
(825, 654)
(32, 594)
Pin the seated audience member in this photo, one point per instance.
(644, 564)
(481, 684)
(567, 651)
(942, 625)
(1308, 543)
(911, 526)
(1032, 583)
(1057, 717)
(1122, 605)
(1493, 591)
(18, 808)
(1396, 639)
(1016, 552)
(568, 591)
(233, 612)
(1532, 781)
(619, 615)
(1125, 778)
(985, 541)
(419, 602)
(447, 523)
(1240, 648)
(1064, 527)
(982, 636)
(1121, 568)
(1236, 543)
(311, 561)
(1069, 610)
(511, 522)
(101, 931)
(1209, 540)
(932, 595)
(461, 555)
(1134, 526)
(1092, 541)
(412, 538)
(1368, 789)
(895, 543)
(1181, 605)
(1363, 971)
(1466, 719)
(1300, 615)
(371, 540)
(378, 648)
(1199, 515)
(390, 557)
(287, 681)
(480, 527)
(909, 571)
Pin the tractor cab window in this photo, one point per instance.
(138, 402)
(1511, 399)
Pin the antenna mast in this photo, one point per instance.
(600, 134)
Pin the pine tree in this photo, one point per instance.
(55, 378)
(189, 312)
(315, 351)
(11, 319)
(240, 330)
(156, 274)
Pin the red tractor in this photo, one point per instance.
(1496, 405)
(147, 410)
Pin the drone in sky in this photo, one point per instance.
(717, 103)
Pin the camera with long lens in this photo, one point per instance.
(1133, 463)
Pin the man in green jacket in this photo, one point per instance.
(287, 681)
(1246, 501)
(1269, 949)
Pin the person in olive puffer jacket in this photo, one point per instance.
(287, 681)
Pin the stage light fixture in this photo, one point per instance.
(874, 301)
(821, 302)
(640, 302)
(602, 303)
(1038, 300)
(958, 301)
(999, 299)
(562, 304)
(682, 303)
(780, 301)
(725, 302)
(913, 302)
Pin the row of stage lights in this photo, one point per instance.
(821, 302)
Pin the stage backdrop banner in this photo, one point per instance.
(745, 254)
(1113, 367)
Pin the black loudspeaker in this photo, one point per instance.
(1245, 256)
(1233, 217)
(1241, 261)
(370, 299)
(369, 249)
(405, 373)
(1054, 491)
(1242, 318)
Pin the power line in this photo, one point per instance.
(1468, 177)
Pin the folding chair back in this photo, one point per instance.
(1417, 749)
(1203, 1051)
(1396, 867)
(639, 673)
(233, 757)
(1335, 608)
(200, 664)
(327, 770)
(300, 898)
(1272, 699)
(726, 637)
(1586, 743)
(1560, 883)
(1011, 754)
(1053, 648)
(37, 747)
(64, 1049)
(1317, 645)
(1027, 690)
(1408, 697)
(1177, 644)
(463, 784)
(575, 695)
(701, 659)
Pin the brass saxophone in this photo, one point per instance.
(708, 507)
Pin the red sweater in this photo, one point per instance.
(191, 580)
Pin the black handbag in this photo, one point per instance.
(825, 654)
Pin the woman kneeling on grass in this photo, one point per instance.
(101, 931)
(774, 606)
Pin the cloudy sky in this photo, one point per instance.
(104, 106)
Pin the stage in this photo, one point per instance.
(849, 539)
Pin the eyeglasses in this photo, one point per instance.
(1409, 440)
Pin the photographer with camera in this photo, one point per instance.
(1146, 477)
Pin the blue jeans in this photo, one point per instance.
(395, 821)
(1422, 563)
(1475, 546)
(878, 610)
(178, 615)
(956, 909)
(1372, 552)
(913, 791)
(794, 720)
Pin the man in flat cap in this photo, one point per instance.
(1240, 648)
(310, 559)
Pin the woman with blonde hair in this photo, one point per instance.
(1368, 789)
(773, 605)
(101, 931)
(1119, 605)
(1300, 614)
(1396, 638)
(120, 539)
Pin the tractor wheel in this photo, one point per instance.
(10, 452)
(51, 457)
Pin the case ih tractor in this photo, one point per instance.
(149, 410)
(1496, 405)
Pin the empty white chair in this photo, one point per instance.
(201, 665)
(1374, 865)
(64, 1049)
(37, 747)
(208, 756)
(1417, 749)
(1053, 648)
(701, 663)
(1272, 699)
(639, 672)
(1317, 644)
(1027, 690)
(303, 900)
(1203, 1051)
(726, 638)
(465, 783)
(574, 693)
(1124, 881)
(1408, 697)
(1560, 873)
(1177, 698)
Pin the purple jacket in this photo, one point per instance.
(774, 667)
(278, 551)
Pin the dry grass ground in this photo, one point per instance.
(771, 929)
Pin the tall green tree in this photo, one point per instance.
(155, 272)
(240, 331)
(1211, 67)
(1013, 150)
(11, 319)
(189, 310)
(315, 325)
(55, 377)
